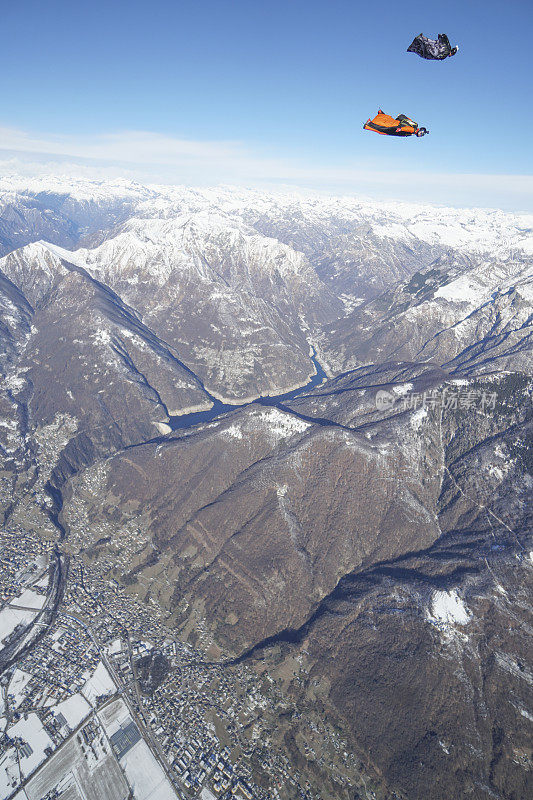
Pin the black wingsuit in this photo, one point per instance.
(428, 48)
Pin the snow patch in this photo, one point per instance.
(418, 418)
(463, 290)
(100, 683)
(74, 709)
(31, 731)
(101, 336)
(233, 431)
(30, 599)
(448, 610)
(19, 681)
(403, 389)
(115, 647)
(11, 618)
(282, 425)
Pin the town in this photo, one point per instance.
(107, 688)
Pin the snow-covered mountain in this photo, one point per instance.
(62, 211)
(193, 294)
(467, 314)
(232, 304)
(305, 221)
(383, 548)
(209, 270)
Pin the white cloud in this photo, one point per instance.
(159, 158)
(134, 146)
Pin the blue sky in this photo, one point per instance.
(274, 92)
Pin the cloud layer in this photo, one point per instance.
(154, 157)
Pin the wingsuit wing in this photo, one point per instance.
(418, 45)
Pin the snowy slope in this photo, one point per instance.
(208, 270)
(473, 230)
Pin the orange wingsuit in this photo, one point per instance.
(393, 126)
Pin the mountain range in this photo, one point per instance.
(374, 527)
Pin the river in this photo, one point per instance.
(218, 408)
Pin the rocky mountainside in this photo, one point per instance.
(209, 284)
(467, 314)
(366, 542)
(388, 552)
